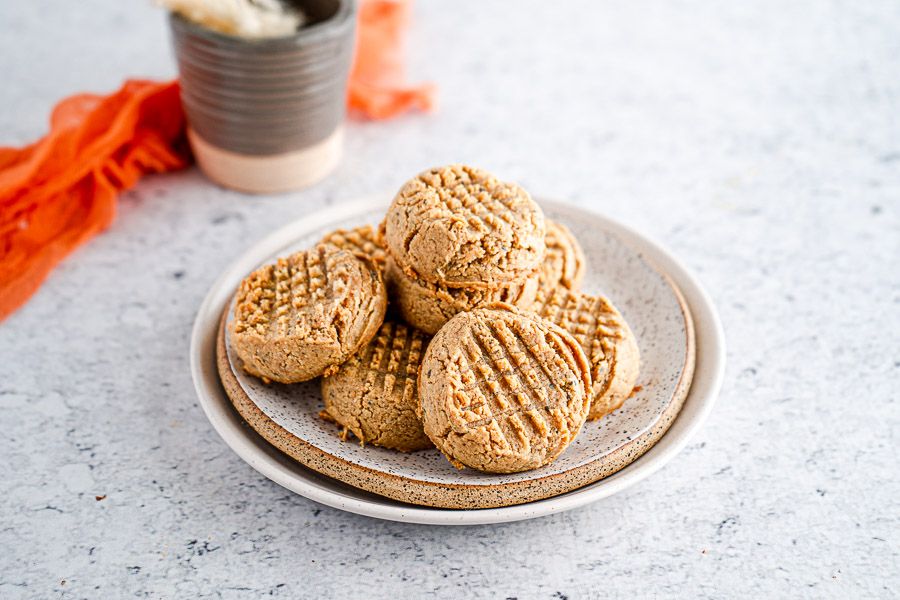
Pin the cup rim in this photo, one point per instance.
(331, 27)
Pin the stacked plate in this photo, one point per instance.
(277, 430)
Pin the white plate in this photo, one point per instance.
(288, 415)
(285, 471)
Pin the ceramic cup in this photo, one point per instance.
(265, 115)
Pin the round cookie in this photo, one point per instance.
(298, 318)
(502, 390)
(564, 264)
(461, 227)
(374, 395)
(427, 306)
(606, 339)
(364, 241)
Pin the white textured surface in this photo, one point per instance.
(759, 140)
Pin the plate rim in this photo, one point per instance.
(452, 495)
(709, 348)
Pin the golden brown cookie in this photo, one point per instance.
(308, 312)
(374, 395)
(502, 390)
(564, 263)
(606, 339)
(462, 227)
(364, 242)
(427, 306)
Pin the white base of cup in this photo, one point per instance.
(272, 173)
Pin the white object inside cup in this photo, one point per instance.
(252, 19)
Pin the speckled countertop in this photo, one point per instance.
(760, 141)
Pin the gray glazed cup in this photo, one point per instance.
(266, 115)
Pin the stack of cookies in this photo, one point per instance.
(458, 238)
(458, 323)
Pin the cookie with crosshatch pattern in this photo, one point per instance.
(462, 227)
(606, 339)
(364, 242)
(564, 262)
(502, 390)
(306, 313)
(373, 395)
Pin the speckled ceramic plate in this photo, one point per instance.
(643, 281)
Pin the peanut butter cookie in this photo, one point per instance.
(374, 395)
(502, 390)
(364, 241)
(564, 264)
(305, 314)
(461, 227)
(606, 339)
(427, 306)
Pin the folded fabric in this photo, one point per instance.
(60, 191)
(376, 89)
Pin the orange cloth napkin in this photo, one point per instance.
(60, 191)
(376, 88)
